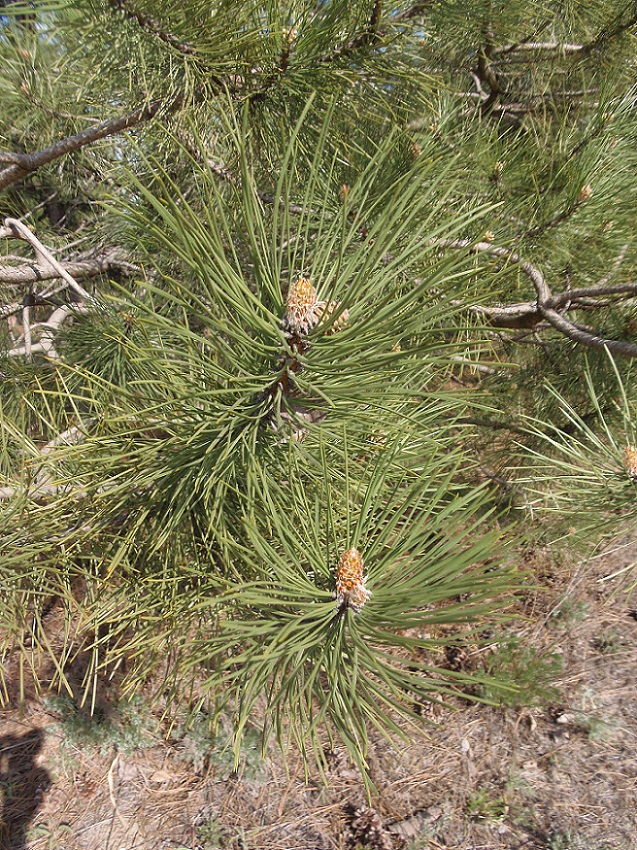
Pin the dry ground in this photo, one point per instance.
(561, 774)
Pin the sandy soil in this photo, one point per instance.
(556, 771)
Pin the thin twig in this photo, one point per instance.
(154, 27)
(66, 116)
(413, 11)
(609, 33)
(628, 288)
(619, 259)
(26, 330)
(42, 482)
(552, 46)
(23, 232)
(220, 170)
(370, 37)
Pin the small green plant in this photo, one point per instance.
(529, 670)
(483, 805)
(421, 842)
(213, 835)
(46, 836)
(569, 613)
(569, 840)
(561, 841)
(609, 641)
(202, 742)
(127, 726)
(519, 795)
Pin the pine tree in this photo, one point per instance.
(313, 310)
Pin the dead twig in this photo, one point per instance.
(540, 46)
(26, 330)
(22, 231)
(42, 482)
(46, 332)
(31, 273)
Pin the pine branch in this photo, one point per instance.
(19, 165)
(610, 33)
(413, 11)
(530, 314)
(24, 164)
(370, 36)
(150, 25)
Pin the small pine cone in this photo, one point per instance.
(343, 192)
(630, 461)
(324, 313)
(415, 152)
(368, 828)
(350, 582)
(301, 306)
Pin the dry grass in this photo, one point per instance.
(560, 775)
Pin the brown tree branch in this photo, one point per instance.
(31, 273)
(24, 163)
(526, 315)
(512, 317)
(10, 157)
(413, 11)
(370, 36)
(153, 26)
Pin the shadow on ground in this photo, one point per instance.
(23, 784)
